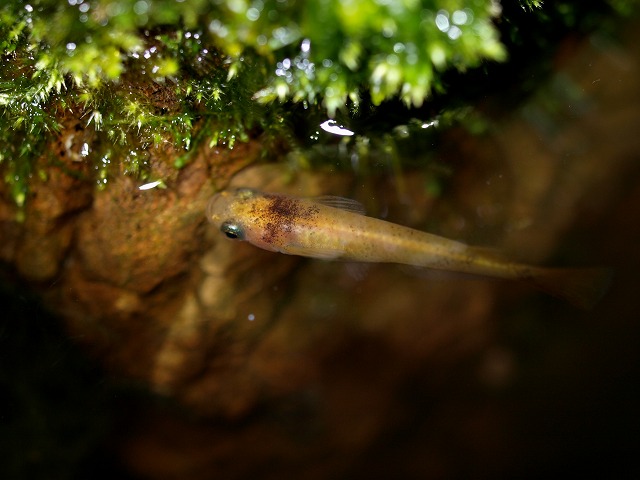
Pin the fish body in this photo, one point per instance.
(336, 228)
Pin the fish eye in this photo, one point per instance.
(232, 231)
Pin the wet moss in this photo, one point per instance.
(139, 73)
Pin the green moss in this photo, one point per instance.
(531, 4)
(141, 72)
(330, 49)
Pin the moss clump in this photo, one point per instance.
(330, 49)
(142, 72)
(139, 72)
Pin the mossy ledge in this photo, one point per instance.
(141, 72)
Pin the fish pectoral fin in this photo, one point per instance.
(348, 204)
(312, 252)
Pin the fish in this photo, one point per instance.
(337, 228)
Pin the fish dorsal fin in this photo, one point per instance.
(342, 203)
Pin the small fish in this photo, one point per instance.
(336, 228)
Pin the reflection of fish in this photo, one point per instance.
(336, 228)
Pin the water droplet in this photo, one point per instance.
(253, 14)
(331, 126)
(399, 47)
(141, 7)
(442, 20)
(459, 17)
(150, 185)
(454, 33)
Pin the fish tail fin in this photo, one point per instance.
(582, 287)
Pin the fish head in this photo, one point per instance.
(243, 214)
(266, 220)
(229, 211)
